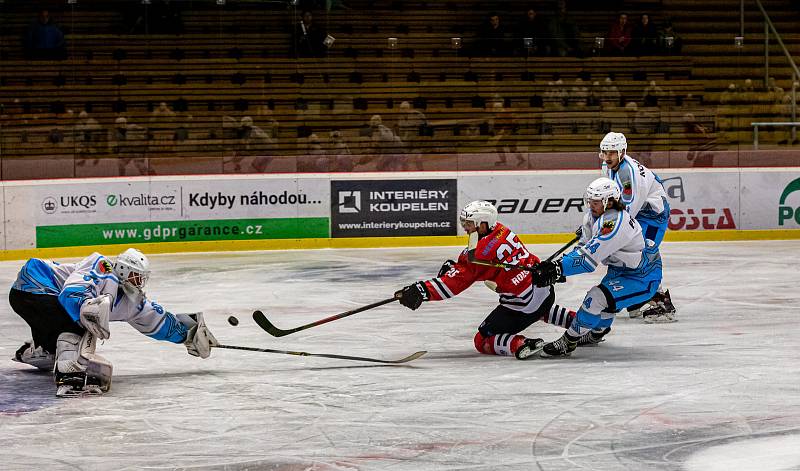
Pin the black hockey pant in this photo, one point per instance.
(45, 315)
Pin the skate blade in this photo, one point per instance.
(529, 353)
(659, 319)
(69, 391)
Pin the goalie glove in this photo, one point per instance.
(547, 273)
(94, 315)
(199, 339)
(412, 295)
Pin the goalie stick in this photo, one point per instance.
(406, 359)
(265, 324)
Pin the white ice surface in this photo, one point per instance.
(718, 390)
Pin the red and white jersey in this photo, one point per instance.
(515, 287)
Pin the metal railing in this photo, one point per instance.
(756, 125)
(769, 26)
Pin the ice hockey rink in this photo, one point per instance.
(718, 390)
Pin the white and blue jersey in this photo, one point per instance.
(634, 268)
(644, 196)
(74, 283)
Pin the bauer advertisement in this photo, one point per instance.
(168, 210)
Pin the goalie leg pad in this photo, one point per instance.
(78, 366)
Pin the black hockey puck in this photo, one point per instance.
(233, 321)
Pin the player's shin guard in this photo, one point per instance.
(501, 344)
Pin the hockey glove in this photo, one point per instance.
(412, 295)
(94, 315)
(547, 273)
(446, 266)
(199, 339)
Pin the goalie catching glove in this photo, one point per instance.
(94, 315)
(412, 295)
(547, 273)
(199, 339)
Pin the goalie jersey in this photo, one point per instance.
(515, 287)
(74, 283)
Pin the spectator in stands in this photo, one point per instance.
(308, 39)
(382, 145)
(254, 141)
(730, 95)
(701, 142)
(162, 123)
(610, 95)
(89, 139)
(620, 36)
(532, 26)
(557, 95)
(502, 127)
(341, 159)
(579, 94)
(127, 144)
(44, 39)
(669, 41)
(492, 37)
(411, 124)
(564, 34)
(654, 95)
(268, 123)
(645, 37)
(313, 158)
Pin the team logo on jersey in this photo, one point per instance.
(627, 188)
(104, 267)
(608, 226)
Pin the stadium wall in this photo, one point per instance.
(70, 217)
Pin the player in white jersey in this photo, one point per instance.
(610, 236)
(644, 197)
(68, 307)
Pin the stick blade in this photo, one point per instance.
(265, 324)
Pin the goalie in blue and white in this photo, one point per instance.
(644, 197)
(68, 307)
(610, 236)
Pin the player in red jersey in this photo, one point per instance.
(521, 303)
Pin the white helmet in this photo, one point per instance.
(133, 269)
(615, 141)
(478, 212)
(603, 189)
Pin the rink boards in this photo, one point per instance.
(257, 212)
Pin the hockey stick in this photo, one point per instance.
(473, 242)
(265, 324)
(406, 359)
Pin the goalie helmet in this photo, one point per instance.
(614, 141)
(133, 269)
(478, 212)
(603, 189)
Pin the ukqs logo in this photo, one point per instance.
(787, 212)
(49, 205)
(70, 204)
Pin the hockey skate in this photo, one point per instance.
(529, 349)
(32, 355)
(77, 385)
(563, 347)
(662, 311)
(591, 339)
